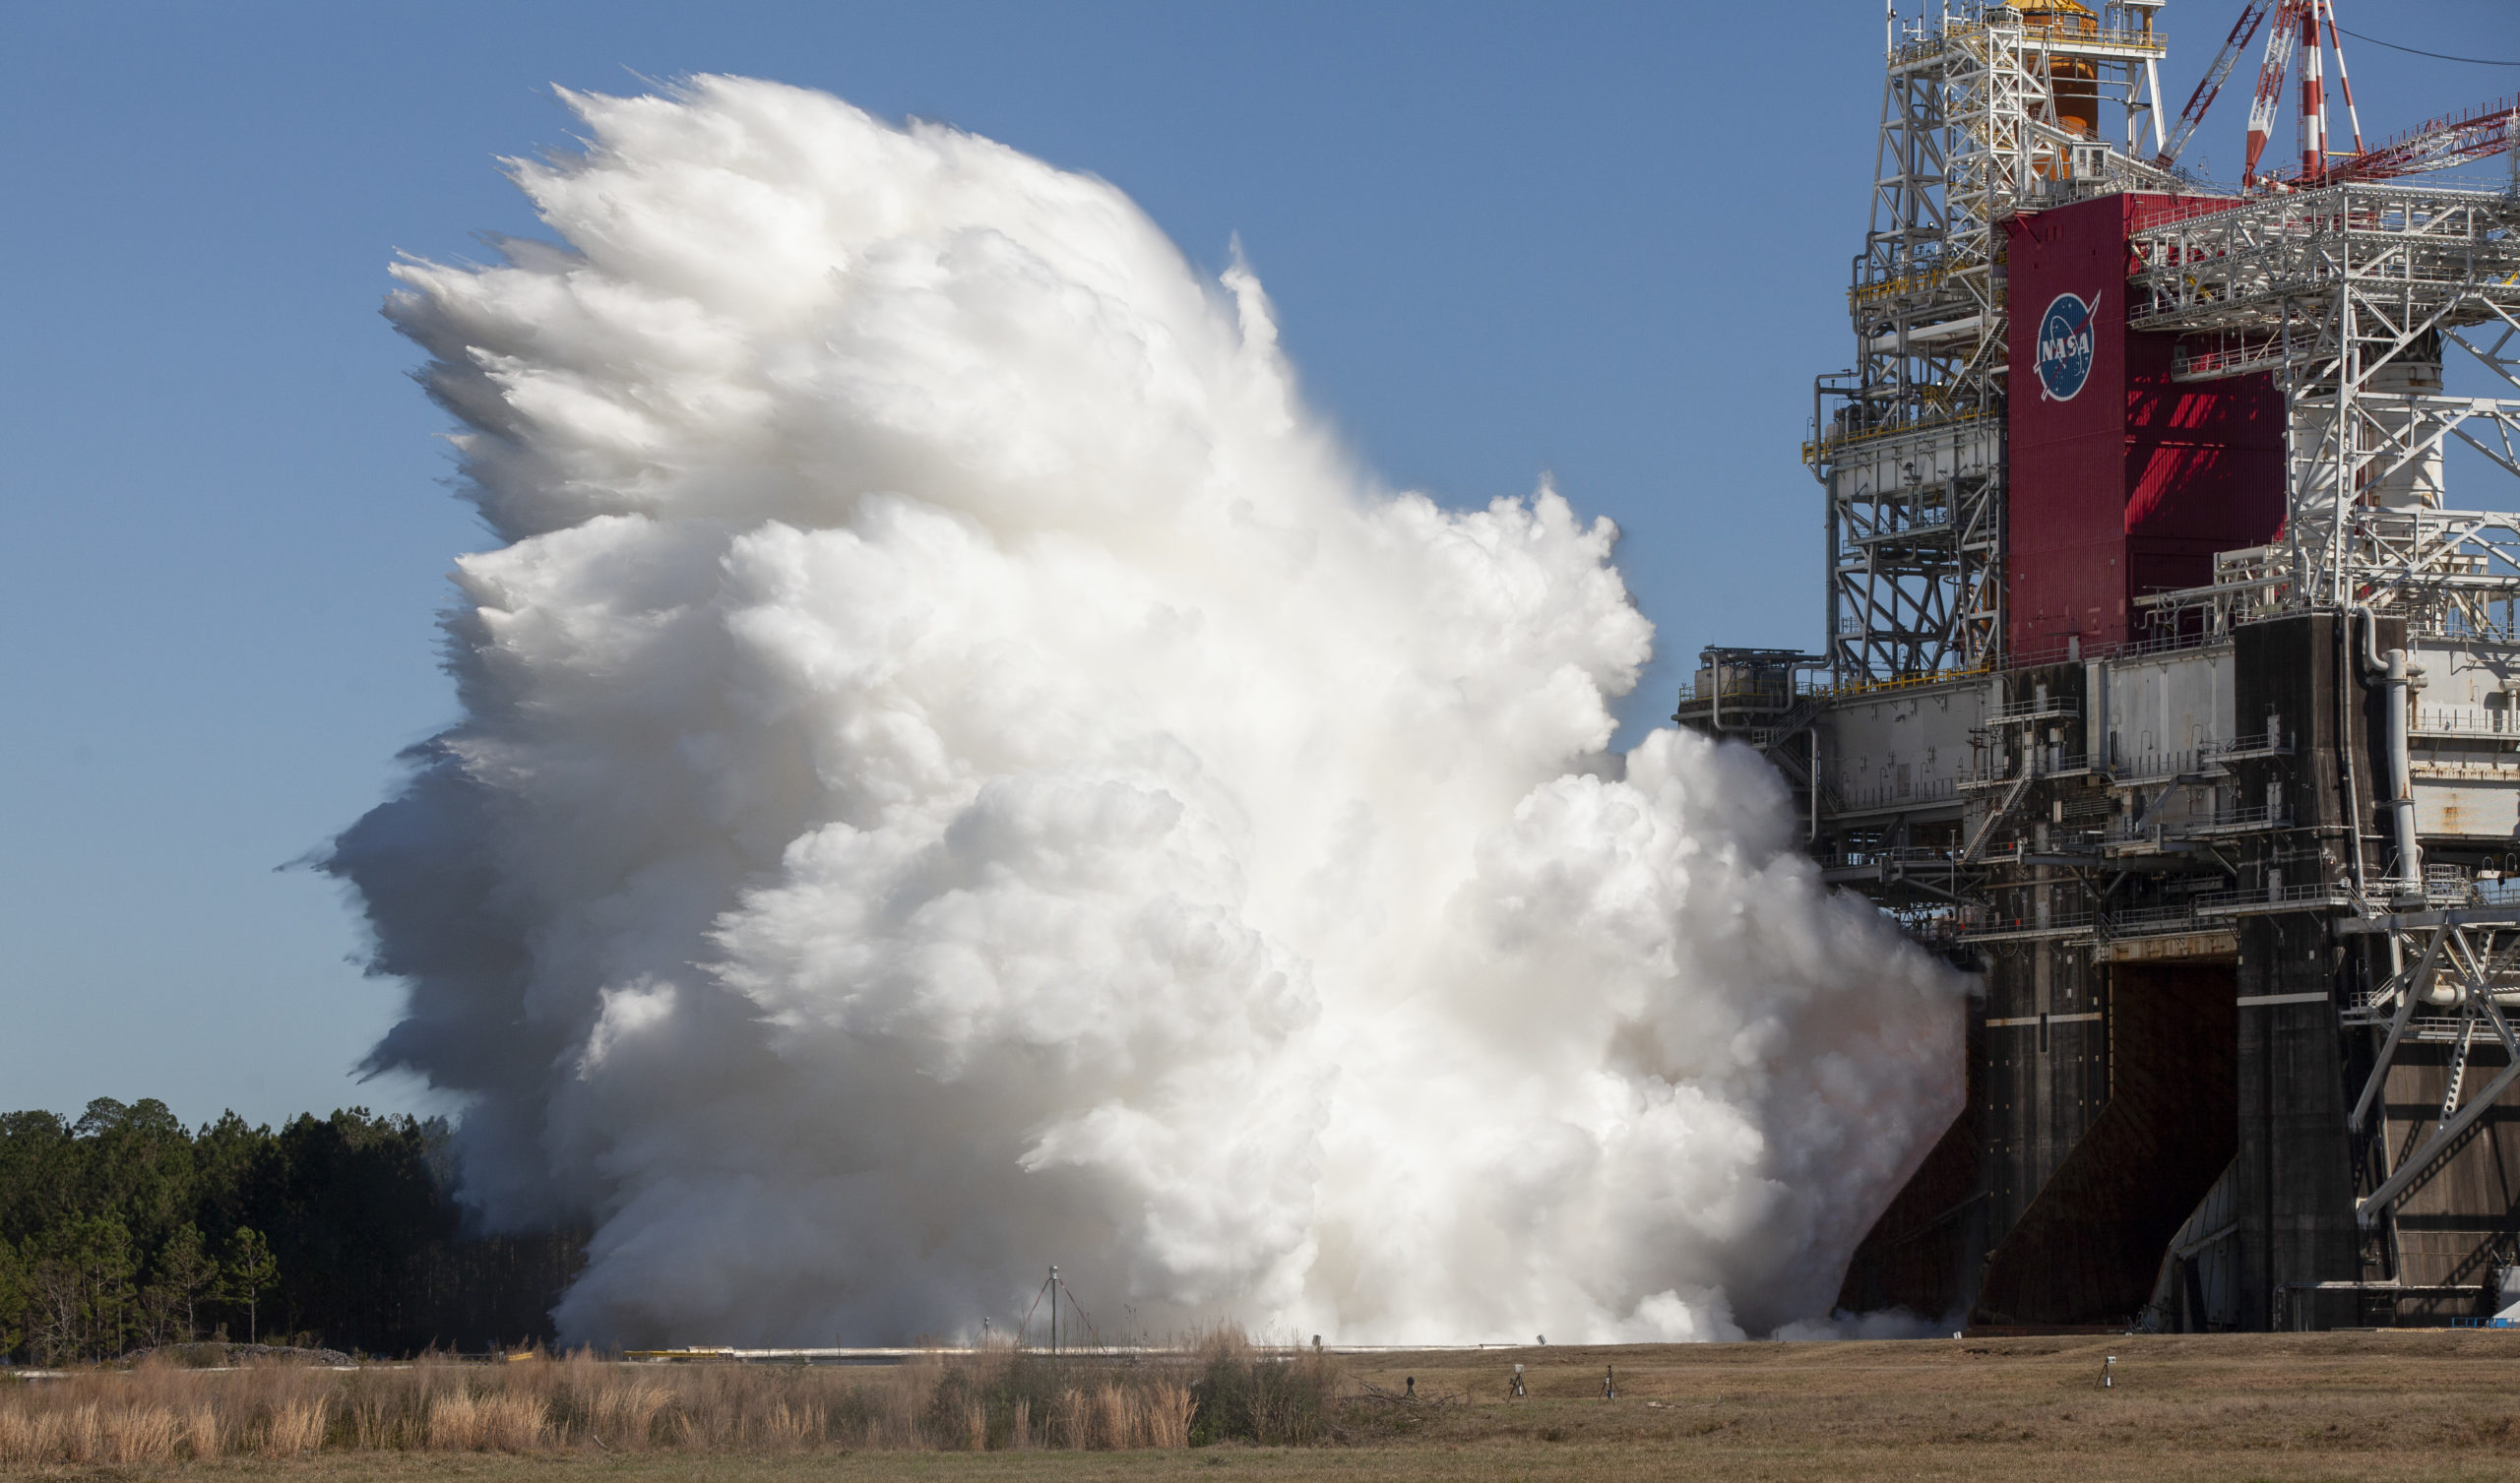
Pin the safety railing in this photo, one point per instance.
(2034, 707)
(1828, 444)
(2066, 652)
(2311, 895)
(2271, 742)
(2053, 924)
(1855, 689)
(2464, 721)
(2042, 761)
(1921, 793)
(1777, 691)
(2163, 767)
(2149, 921)
(2065, 37)
(2235, 821)
(1902, 857)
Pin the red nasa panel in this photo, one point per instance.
(2065, 506)
(2121, 481)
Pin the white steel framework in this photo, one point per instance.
(2457, 985)
(1909, 443)
(2350, 296)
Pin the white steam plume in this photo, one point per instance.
(960, 773)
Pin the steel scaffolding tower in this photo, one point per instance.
(1910, 444)
(2241, 885)
(2350, 296)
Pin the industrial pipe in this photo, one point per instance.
(2345, 770)
(2448, 989)
(2399, 676)
(2401, 775)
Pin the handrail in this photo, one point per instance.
(2059, 922)
(1919, 794)
(2048, 36)
(2270, 742)
(2446, 721)
(2313, 893)
(2149, 921)
(1814, 450)
(1903, 285)
(2221, 820)
(2041, 763)
(2164, 765)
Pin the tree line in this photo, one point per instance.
(124, 1229)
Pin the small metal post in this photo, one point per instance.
(1055, 1310)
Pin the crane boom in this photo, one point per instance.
(2343, 78)
(2270, 83)
(2446, 141)
(2253, 16)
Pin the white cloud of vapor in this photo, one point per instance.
(958, 772)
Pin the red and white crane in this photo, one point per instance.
(2343, 78)
(2302, 33)
(2451, 140)
(2253, 16)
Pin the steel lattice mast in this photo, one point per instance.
(1910, 444)
(2253, 16)
(2349, 295)
(2171, 697)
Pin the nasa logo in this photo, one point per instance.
(2064, 346)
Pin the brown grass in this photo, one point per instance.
(2371, 1406)
(158, 1414)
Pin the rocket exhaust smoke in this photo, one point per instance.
(959, 772)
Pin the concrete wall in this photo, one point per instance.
(2111, 1080)
(2466, 750)
(2294, 1176)
(2087, 1248)
(2166, 706)
(1904, 747)
(2047, 1067)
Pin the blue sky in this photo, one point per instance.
(1606, 241)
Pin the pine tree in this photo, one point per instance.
(186, 1274)
(17, 1294)
(250, 1273)
(82, 1271)
(360, 1240)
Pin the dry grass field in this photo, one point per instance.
(2363, 1406)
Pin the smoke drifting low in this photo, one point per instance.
(959, 772)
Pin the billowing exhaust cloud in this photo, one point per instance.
(959, 772)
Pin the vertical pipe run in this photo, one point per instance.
(2401, 775)
(2400, 675)
(2153, 83)
(2343, 78)
(1815, 785)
